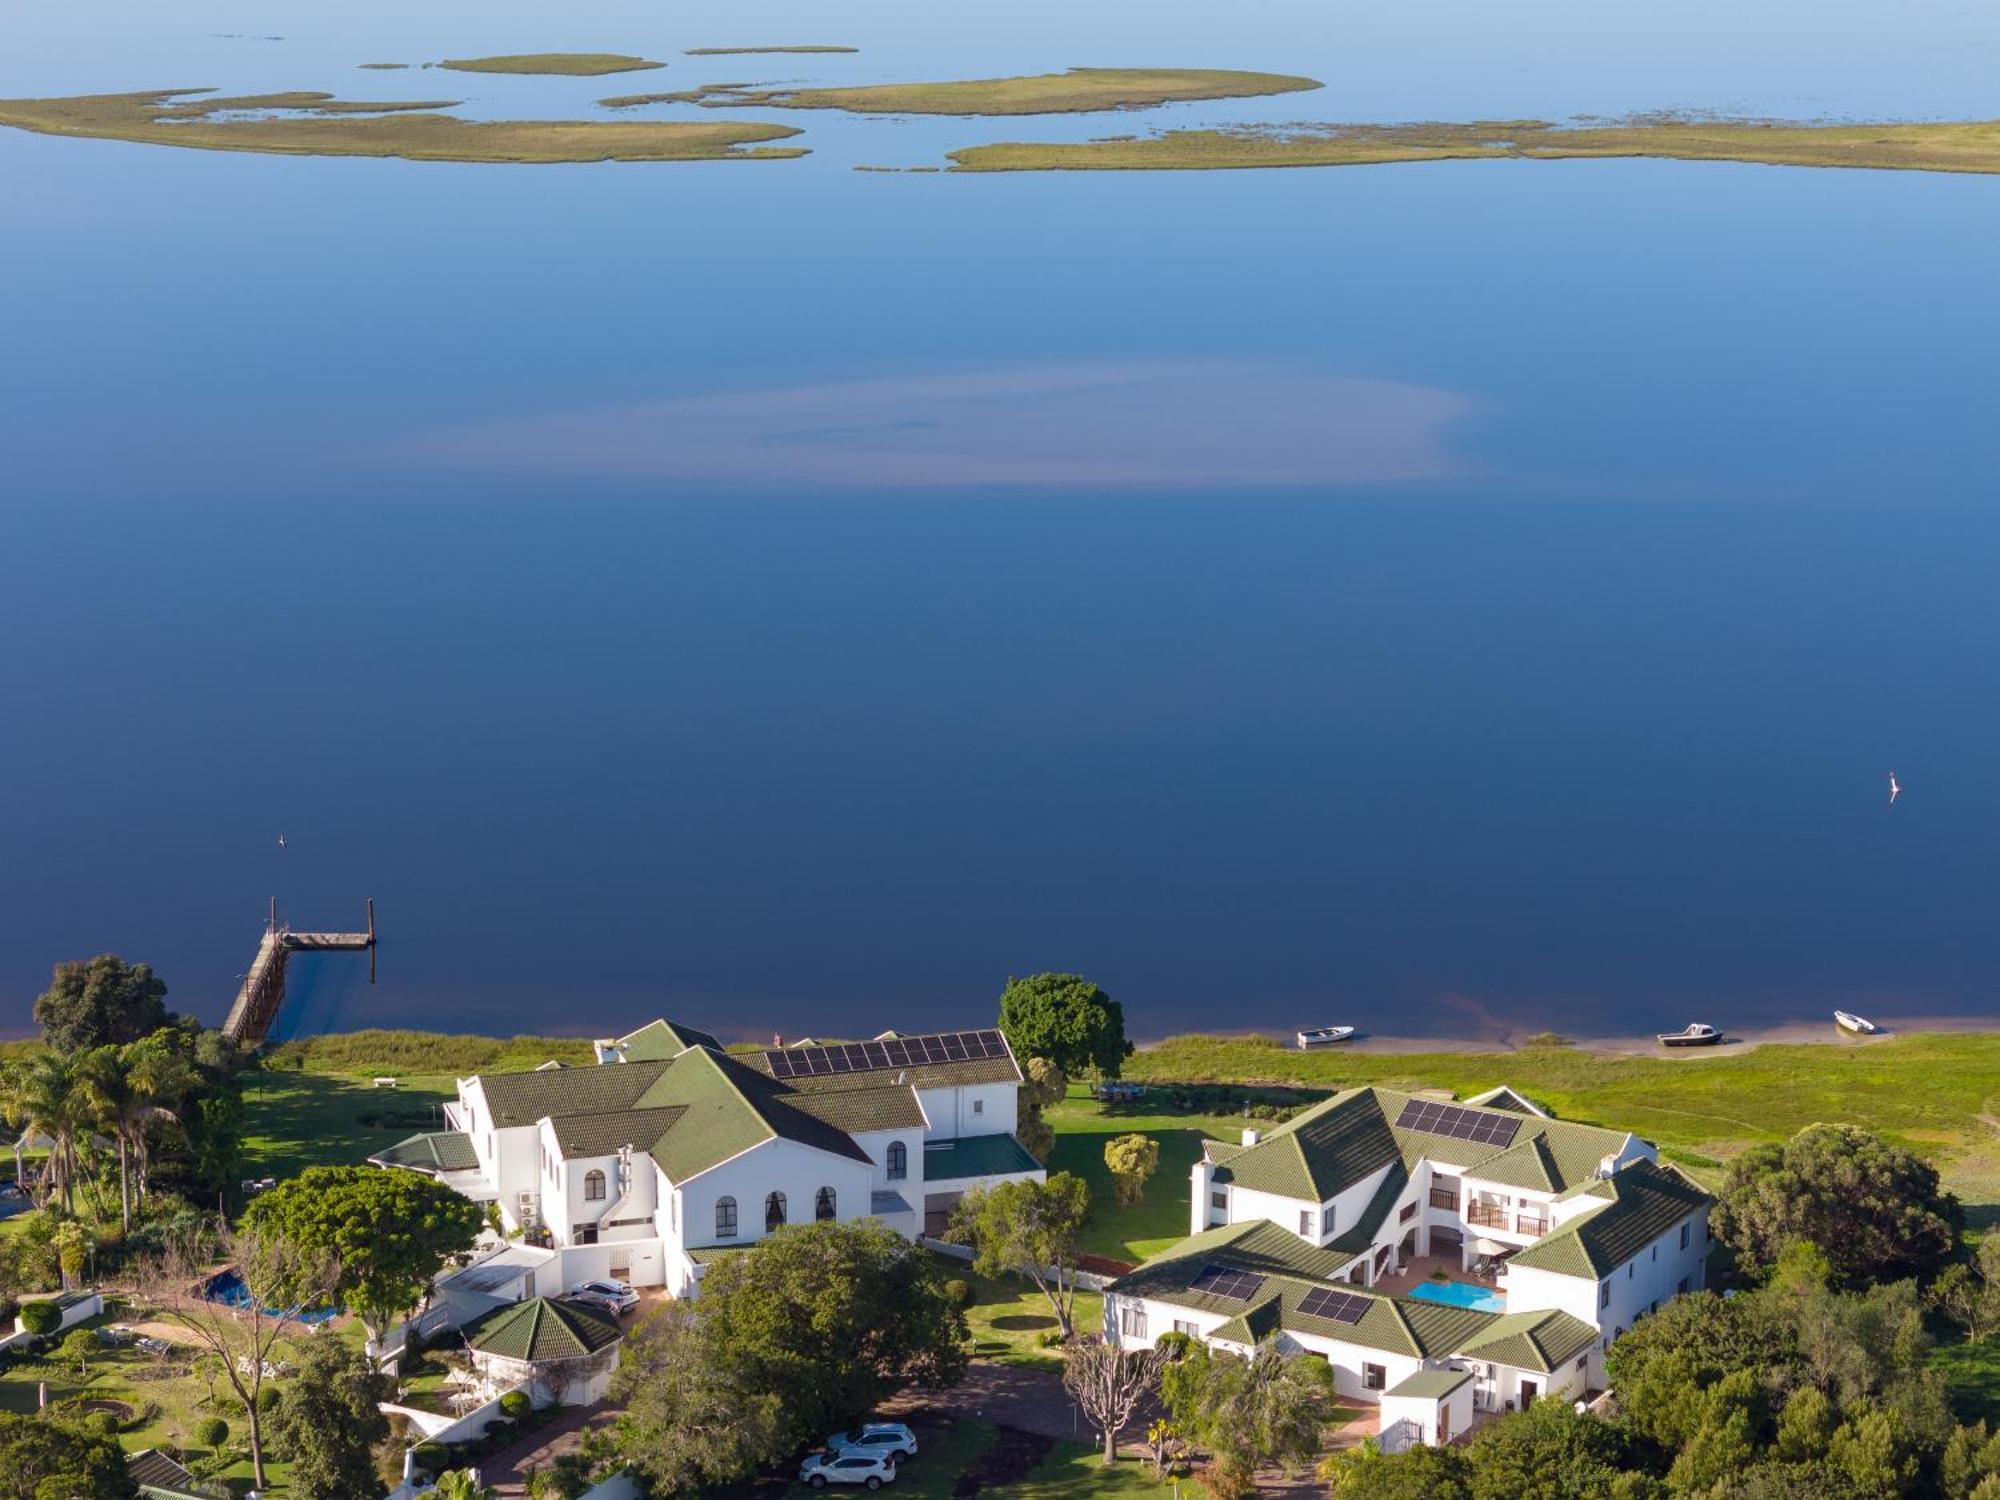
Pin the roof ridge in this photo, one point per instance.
(715, 1060)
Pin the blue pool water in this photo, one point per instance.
(228, 1289)
(1462, 1294)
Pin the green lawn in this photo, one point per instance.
(297, 1120)
(1010, 1316)
(1973, 1373)
(1083, 1126)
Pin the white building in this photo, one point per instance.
(672, 1151)
(1548, 1239)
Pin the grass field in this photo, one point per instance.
(319, 125)
(298, 1120)
(1080, 90)
(568, 64)
(1083, 1126)
(1930, 147)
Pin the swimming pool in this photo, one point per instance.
(1462, 1294)
(228, 1289)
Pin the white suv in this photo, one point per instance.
(892, 1438)
(871, 1469)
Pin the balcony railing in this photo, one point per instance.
(1440, 1199)
(1486, 1215)
(1531, 1225)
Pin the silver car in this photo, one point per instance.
(870, 1470)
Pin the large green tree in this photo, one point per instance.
(802, 1334)
(1067, 1019)
(326, 1422)
(100, 1002)
(1031, 1229)
(1267, 1411)
(44, 1458)
(1875, 1210)
(390, 1231)
(46, 1094)
(132, 1089)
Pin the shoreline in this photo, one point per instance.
(1736, 1040)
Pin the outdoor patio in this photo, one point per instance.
(1420, 1270)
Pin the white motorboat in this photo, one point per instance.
(1325, 1036)
(1855, 1025)
(1694, 1034)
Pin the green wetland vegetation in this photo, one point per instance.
(1077, 91)
(1948, 147)
(304, 124)
(570, 64)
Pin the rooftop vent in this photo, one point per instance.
(1252, 1137)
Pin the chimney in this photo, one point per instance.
(1609, 1166)
(777, 1040)
(1252, 1137)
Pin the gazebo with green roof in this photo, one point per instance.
(561, 1351)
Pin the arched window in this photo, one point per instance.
(823, 1203)
(774, 1211)
(899, 1161)
(593, 1186)
(725, 1218)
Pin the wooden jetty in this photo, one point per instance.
(263, 991)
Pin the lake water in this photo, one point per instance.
(1457, 598)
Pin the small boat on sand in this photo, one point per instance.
(1694, 1034)
(1325, 1036)
(1854, 1025)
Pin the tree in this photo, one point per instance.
(326, 1421)
(1365, 1472)
(806, 1332)
(100, 1002)
(45, 1458)
(389, 1230)
(44, 1094)
(1068, 1020)
(1270, 1409)
(1109, 1383)
(73, 1246)
(1031, 1229)
(276, 1275)
(131, 1089)
(77, 1347)
(1548, 1452)
(1132, 1160)
(1043, 1087)
(40, 1317)
(689, 1421)
(461, 1484)
(211, 1433)
(1875, 1210)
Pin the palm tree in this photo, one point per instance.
(130, 1089)
(44, 1094)
(460, 1484)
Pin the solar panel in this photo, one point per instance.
(899, 1052)
(1457, 1122)
(1222, 1281)
(1340, 1307)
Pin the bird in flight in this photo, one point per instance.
(1895, 791)
(281, 837)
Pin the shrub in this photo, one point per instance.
(40, 1318)
(211, 1432)
(432, 1458)
(515, 1405)
(267, 1398)
(1051, 1339)
(958, 1293)
(103, 1423)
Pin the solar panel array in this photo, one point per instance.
(900, 1052)
(1458, 1122)
(1341, 1307)
(1225, 1281)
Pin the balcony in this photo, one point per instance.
(1446, 1200)
(1486, 1215)
(1531, 1225)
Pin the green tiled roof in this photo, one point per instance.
(1251, 1328)
(1528, 1165)
(160, 1478)
(524, 1098)
(976, 1156)
(540, 1329)
(1347, 1138)
(1430, 1385)
(662, 1041)
(603, 1135)
(725, 1110)
(1359, 1236)
(884, 1107)
(443, 1151)
(1544, 1341)
(1646, 1201)
(703, 1255)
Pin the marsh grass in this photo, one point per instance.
(1078, 91)
(568, 64)
(1949, 147)
(319, 125)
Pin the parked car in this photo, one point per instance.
(892, 1438)
(604, 1307)
(871, 1470)
(618, 1293)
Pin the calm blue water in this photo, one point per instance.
(1458, 598)
(1461, 1294)
(228, 1289)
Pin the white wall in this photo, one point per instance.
(774, 1165)
(952, 1112)
(1613, 1305)
(911, 1183)
(1423, 1414)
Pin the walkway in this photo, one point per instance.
(507, 1471)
